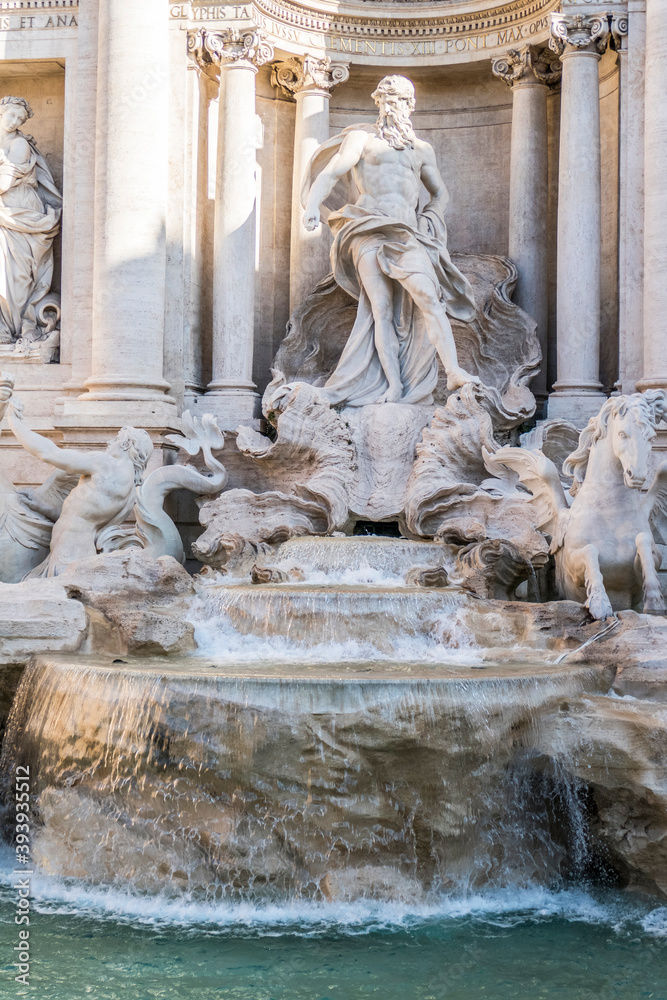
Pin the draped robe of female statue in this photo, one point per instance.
(29, 220)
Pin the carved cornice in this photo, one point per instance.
(41, 5)
(308, 73)
(382, 31)
(431, 20)
(527, 64)
(229, 46)
(579, 32)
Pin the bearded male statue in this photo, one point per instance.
(389, 255)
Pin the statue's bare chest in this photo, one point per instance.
(380, 154)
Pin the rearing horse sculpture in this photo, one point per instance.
(603, 543)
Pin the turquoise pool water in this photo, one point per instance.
(519, 944)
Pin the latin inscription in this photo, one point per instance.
(436, 46)
(27, 22)
(346, 45)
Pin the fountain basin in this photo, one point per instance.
(325, 781)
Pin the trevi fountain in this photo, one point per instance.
(333, 543)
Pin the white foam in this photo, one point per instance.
(217, 638)
(505, 908)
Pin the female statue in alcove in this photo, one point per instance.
(29, 219)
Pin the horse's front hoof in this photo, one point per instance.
(654, 604)
(600, 608)
(652, 609)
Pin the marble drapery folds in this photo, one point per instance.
(30, 206)
(359, 378)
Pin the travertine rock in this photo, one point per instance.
(311, 463)
(146, 629)
(130, 573)
(36, 616)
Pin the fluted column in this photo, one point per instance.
(130, 205)
(655, 200)
(530, 72)
(310, 81)
(631, 196)
(232, 394)
(577, 394)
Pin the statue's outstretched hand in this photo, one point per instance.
(16, 409)
(311, 220)
(6, 386)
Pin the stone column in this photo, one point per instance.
(530, 72)
(631, 195)
(232, 394)
(577, 395)
(655, 200)
(310, 81)
(129, 256)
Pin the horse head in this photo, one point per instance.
(632, 430)
(627, 424)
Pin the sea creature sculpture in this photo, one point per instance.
(27, 515)
(155, 531)
(604, 546)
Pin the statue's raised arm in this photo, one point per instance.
(104, 495)
(367, 183)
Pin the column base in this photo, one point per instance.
(577, 405)
(121, 400)
(657, 382)
(231, 406)
(92, 412)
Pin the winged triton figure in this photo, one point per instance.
(603, 540)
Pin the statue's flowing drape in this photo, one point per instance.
(29, 220)
(400, 250)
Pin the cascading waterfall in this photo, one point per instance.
(215, 780)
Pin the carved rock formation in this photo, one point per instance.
(312, 457)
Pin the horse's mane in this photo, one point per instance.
(648, 407)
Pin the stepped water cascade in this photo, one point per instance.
(346, 753)
(324, 744)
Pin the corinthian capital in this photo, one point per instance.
(579, 32)
(229, 46)
(308, 73)
(526, 64)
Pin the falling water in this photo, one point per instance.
(280, 781)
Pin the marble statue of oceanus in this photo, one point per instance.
(389, 255)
